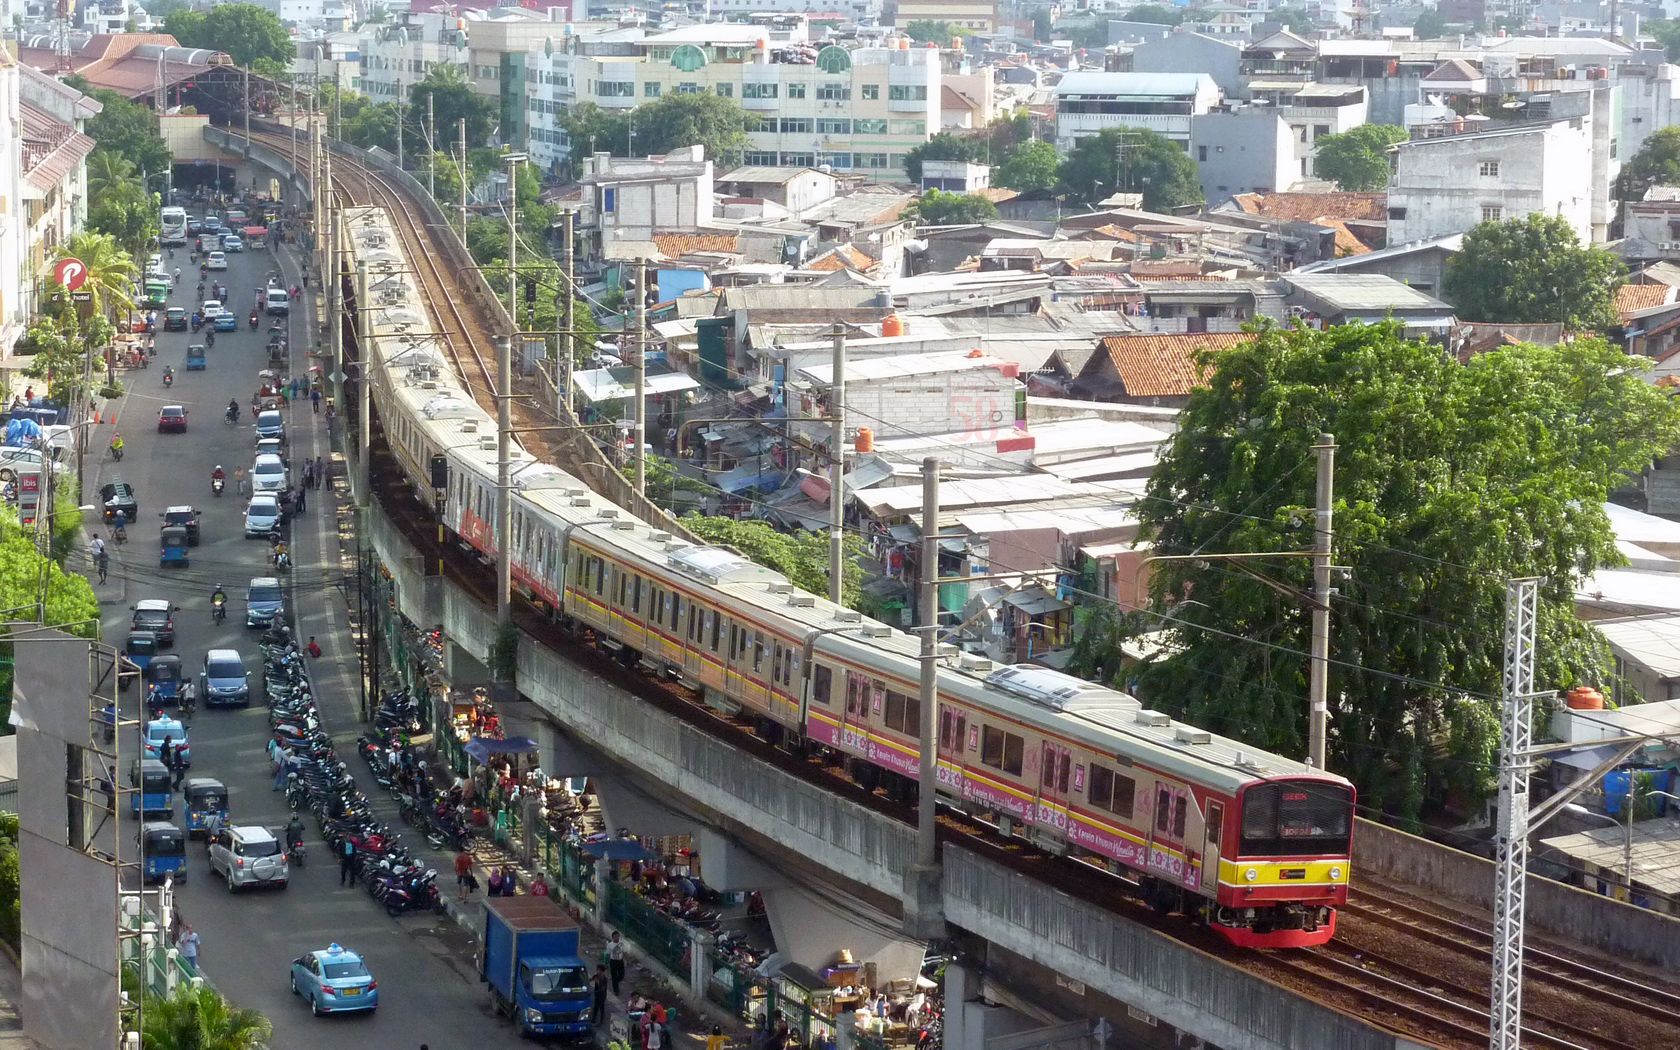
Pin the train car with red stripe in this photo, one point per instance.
(1255, 845)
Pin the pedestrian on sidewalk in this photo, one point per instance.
(598, 985)
(463, 873)
(299, 499)
(717, 1040)
(615, 961)
(320, 470)
(187, 944)
(239, 480)
(315, 400)
(347, 863)
(309, 474)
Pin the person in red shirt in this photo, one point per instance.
(312, 649)
(463, 872)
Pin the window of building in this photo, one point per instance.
(758, 90)
(726, 90)
(1397, 213)
(1488, 169)
(615, 89)
(651, 89)
(908, 127)
(878, 161)
(767, 157)
(796, 125)
(871, 92)
(1320, 129)
(834, 92)
(1492, 213)
(1201, 153)
(799, 160)
(907, 92)
(796, 91)
(834, 127)
(688, 87)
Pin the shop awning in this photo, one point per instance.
(1035, 602)
(480, 748)
(618, 850)
(614, 384)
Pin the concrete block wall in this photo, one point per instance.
(1564, 911)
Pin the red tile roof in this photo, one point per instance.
(844, 255)
(1631, 298)
(677, 245)
(1308, 207)
(1164, 365)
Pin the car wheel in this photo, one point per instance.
(231, 887)
(293, 982)
(315, 1006)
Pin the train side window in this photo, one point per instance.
(1047, 767)
(636, 595)
(895, 710)
(1181, 806)
(758, 650)
(1125, 793)
(1101, 788)
(676, 610)
(913, 716)
(600, 576)
(857, 695)
(1215, 822)
(1163, 809)
(619, 582)
(1067, 770)
(1014, 754)
(991, 747)
(822, 680)
(947, 723)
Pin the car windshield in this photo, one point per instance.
(179, 517)
(151, 616)
(265, 593)
(173, 413)
(264, 506)
(262, 848)
(224, 669)
(551, 984)
(337, 971)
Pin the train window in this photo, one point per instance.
(857, 693)
(1296, 817)
(717, 623)
(1053, 773)
(904, 713)
(636, 595)
(619, 584)
(693, 622)
(758, 650)
(1181, 807)
(675, 610)
(1047, 767)
(1014, 754)
(991, 747)
(895, 710)
(822, 680)
(1102, 787)
(1163, 809)
(1125, 791)
(600, 576)
(1215, 822)
(951, 727)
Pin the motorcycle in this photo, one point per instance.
(282, 561)
(218, 609)
(116, 452)
(168, 378)
(253, 320)
(231, 416)
(217, 485)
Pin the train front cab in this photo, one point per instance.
(1284, 863)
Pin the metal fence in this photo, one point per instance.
(664, 939)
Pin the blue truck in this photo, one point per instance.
(530, 960)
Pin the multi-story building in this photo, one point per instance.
(978, 15)
(1088, 104)
(1312, 111)
(14, 286)
(850, 109)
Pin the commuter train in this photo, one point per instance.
(1254, 844)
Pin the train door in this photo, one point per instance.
(694, 631)
(1054, 775)
(1215, 828)
(854, 727)
(953, 742)
(734, 682)
(1166, 840)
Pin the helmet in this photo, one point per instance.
(218, 466)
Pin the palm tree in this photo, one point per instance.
(107, 171)
(199, 1019)
(110, 270)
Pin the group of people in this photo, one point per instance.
(173, 760)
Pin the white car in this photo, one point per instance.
(230, 243)
(217, 261)
(268, 474)
(14, 458)
(211, 309)
(262, 516)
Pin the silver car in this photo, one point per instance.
(246, 855)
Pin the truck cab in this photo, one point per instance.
(530, 960)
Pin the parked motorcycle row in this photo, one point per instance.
(321, 783)
(398, 767)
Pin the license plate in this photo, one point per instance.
(352, 991)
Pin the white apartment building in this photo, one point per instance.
(859, 109)
(329, 15)
(855, 10)
(1311, 111)
(1089, 103)
(1446, 185)
(14, 283)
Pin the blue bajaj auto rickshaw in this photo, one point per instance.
(153, 794)
(205, 798)
(141, 649)
(166, 679)
(195, 358)
(174, 546)
(165, 850)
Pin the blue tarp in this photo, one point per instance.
(618, 850)
(481, 748)
(22, 431)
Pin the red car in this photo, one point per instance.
(172, 418)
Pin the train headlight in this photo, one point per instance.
(1251, 874)
(1335, 874)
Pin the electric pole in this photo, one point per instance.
(504, 405)
(1511, 831)
(926, 841)
(568, 340)
(837, 470)
(641, 377)
(431, 147)
(1319, 681)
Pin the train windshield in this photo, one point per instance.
(1295, 818)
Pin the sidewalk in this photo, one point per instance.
(11, 1019)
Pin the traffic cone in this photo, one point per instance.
(97, 419)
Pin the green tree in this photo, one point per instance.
(1656, 164)
(64, 352)
(675, 121)
(1033, 166)
(110, 271)
(939, 208)
(1294, 19)
(200, 1019)
(1042, 26)
(1135, 161)
(928, 31)
(453, 99)
(125, 129)
(1430, 25)
(128, 214)
(592, 129)
(245, 32)
(1533, 270)
(801, 557)
(368, 124)
(1450, 479)
(1667, 33)
(1357, 159)
(943, 146)
(1156, 13)
(446, 178)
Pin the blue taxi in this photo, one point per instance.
(334, 980)
(171, 729)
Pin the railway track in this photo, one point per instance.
(1373, 971)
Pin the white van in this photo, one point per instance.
(277, 302)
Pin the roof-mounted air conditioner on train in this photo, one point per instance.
(802, 601)
(974, 662)
(848, 616)
(779, 587)
(1192, 735)
(469, 426)
(660, 537)
(580, 501)
(609, 513)
(1159, 719)
(487, 442)
(877, 630)
(1248, 761)
(624, 526)
(428, 384)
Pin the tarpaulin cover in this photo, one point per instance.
(22, 431)
(481, 748)
(618, 850)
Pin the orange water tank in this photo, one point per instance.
(892, 325)
(865, 440)
(1584, 698)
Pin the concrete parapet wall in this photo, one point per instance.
(258, 153)
(1564, 911)
(1174, 982)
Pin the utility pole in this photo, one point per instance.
(1511, 831)
(431, 146)
(364, 336)
(504, 404)
(461, 127)
(927, 788)
(568, 340)
(247, 112)
(641, 377)
(1319, 682)
(837, 471)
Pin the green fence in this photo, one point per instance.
(568, 864)
(656, 933)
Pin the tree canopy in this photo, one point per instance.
(940, 208)
(1033, 166)
(1156, 13)
(994, 144)
(245, 32)
(1656, 164)
(665, 124)
(1430, 25)
(1132, 160)
(125, 129)
(1294, 19)
(928, 31)
(197, 1018)
(1450, 479)
(801, 557)
(452, 100)
(1357, 159)
(1533, 270)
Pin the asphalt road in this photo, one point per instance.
(428, 990)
